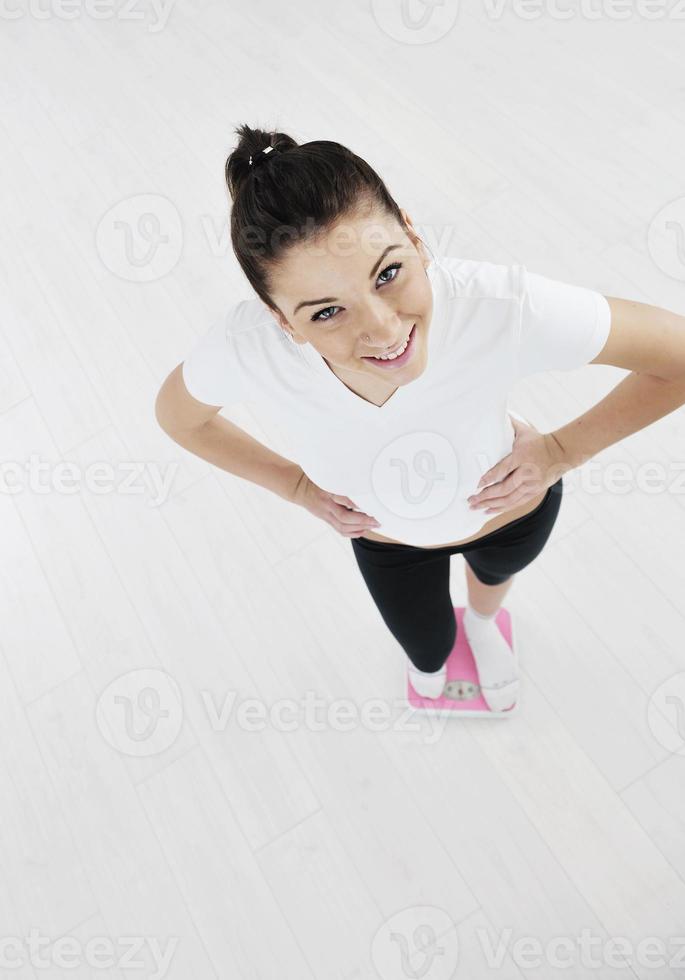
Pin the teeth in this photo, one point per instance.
(391, 357)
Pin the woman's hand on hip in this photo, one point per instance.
(334, 508)
(532, 465)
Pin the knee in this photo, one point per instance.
(430, 658)
(487, 579)
(428, 662)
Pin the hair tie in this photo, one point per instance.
(261, 156)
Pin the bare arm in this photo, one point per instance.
(201, 430)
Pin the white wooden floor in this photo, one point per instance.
(140, 806)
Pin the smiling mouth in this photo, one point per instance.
(405, 347)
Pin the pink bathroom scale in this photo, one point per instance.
(461, 696)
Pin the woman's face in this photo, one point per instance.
(359, 290)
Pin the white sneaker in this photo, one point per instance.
(428, 684)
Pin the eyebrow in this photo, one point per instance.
(333, 299)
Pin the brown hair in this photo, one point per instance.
(292, 194)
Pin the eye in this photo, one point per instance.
(393, 266)
(318, 318)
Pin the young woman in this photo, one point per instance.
(389, 369)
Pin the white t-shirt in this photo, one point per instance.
(412, 462)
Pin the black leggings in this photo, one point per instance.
(410, 585)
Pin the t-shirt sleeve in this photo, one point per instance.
(212, 372)
(561, 326)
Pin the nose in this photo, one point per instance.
(383, 331)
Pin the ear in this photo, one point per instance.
(278, 317)
(411, 231)
(291, 334)
(410, 225)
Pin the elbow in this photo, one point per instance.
(159, 411)
(163, 413)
